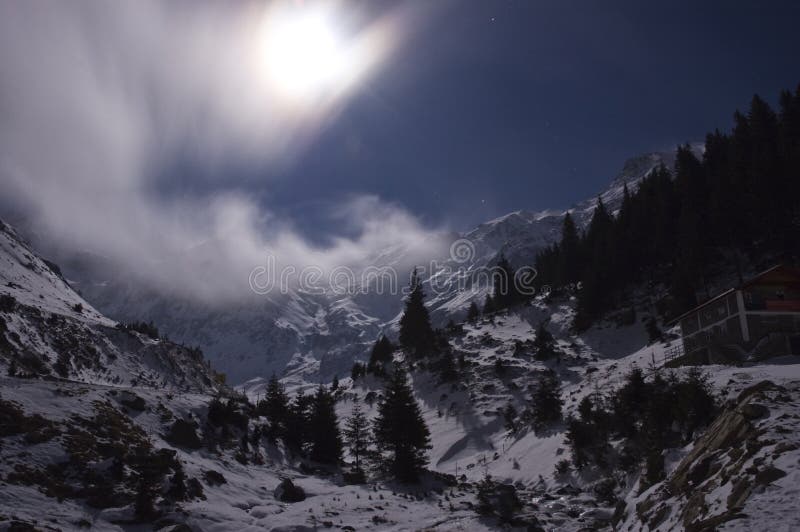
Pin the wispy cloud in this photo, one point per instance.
(97, 97)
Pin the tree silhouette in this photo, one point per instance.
(274, 407)
(380, 356)
(356, 434)
(400, 430)
(326, 441)
(416, 333)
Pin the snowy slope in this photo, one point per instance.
(37, 284)
(244, 501)
(47, 329)
(470, 439)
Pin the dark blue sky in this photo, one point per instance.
(529, 104)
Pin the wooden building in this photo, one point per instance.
(759, 319)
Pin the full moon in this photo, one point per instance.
(305, 55)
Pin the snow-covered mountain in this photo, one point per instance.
(46, 329)
(321, 335)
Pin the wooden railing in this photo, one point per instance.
(671, 353)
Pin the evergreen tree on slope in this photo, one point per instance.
(326, 441)
(380, 356)
(356, 434)
(274, 407)
(416, 333)
(400, 430)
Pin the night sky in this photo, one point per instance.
(529, 104)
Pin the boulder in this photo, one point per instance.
(288, 492)
(132, 401)
(769, 475)
(213, 478)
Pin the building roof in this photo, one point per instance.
(749, 282)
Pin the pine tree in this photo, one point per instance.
(380, 356)
(446, 366)
(506, 291)
(298, 422)
(569, 257)
(737, 203)
(400, 430)
(177, 490)
(357, 371)
(416, 333)
(629, 403)
(692, 244)
(274, 407)
(592, 298)
(546, 400)
(144, 504)
(473, 313)
(326, 441)
(356, 434)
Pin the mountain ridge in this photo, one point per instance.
(268, 335)
(48, 330)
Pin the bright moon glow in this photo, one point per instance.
(305, 56)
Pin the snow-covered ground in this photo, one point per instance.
(244, 502)
(468, 436)
(468, 431)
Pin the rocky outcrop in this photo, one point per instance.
(735, 458)
(288, 492)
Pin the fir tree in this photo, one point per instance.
(416, 333)
(326, 441)
(177, 490)
(144, 504)
(274, 407)
(569, 258)
(380, 356)
(506, 291)
(356, 434)
(629, 402)
(298, 422)
(446, 366)
(653, 331)
(737, 203)
(400, 430)
(357, 371)
(546, 400)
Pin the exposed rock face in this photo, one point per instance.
(214, 478)
(739, 456)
